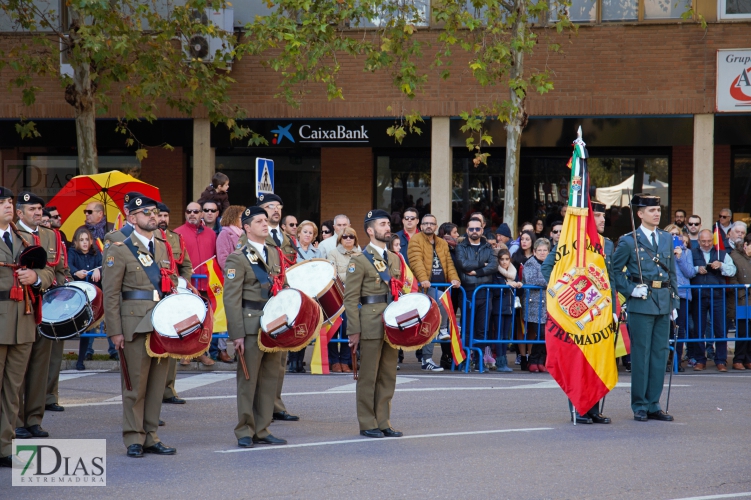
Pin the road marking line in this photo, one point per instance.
(712, 497)
(371, 440)
(352, 387)
(195, 381)
(73, 374)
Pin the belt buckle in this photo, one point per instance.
(657, 284)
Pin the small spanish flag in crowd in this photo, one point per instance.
(717, 237)
(410, 283)
(456, 338)
(99, 245)
(118, 222)
(319, 362)
(215, 289)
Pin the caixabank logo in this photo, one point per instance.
(319, 133)
(734, 80)
(60, 462)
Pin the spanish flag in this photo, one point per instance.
(319, 362)
(410, 283)
(215, 289)
(118, 222)
(99, 245)
(717, 237)
(456, 339)
(580, 329)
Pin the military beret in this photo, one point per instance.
(645, 200)
(504, 230)
(251, 212)
(162, 207)
(27, 198)
(268, 198)
(376, 214)
(598, 207)
(5, 193)
(138, 202)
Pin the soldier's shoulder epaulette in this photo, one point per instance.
(118, 243)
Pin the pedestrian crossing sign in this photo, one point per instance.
(264, 176)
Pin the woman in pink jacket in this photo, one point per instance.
(227, 241)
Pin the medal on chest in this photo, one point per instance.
(379, 265)
(145, 259)
(253, 258)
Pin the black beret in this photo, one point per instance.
(138, 202)
(251, 212)
(162, 207)
(5, 193)
(376, 214)
(27, 198)
(645, 200)
(598, 207)
(268, 198)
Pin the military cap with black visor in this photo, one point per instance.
(251, 212)
(28, 198)
(5, 193)
(268, 198)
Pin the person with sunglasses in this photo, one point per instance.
(55, 222)
(725, 220)
(289, 226)
(409, 223)
(555, 232)
(693, 225)
(96, 222)
(327, 230)
(211, 216)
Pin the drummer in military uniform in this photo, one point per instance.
(19, 329)
(185, 270)
(652, 301)
(277, 238)
(131, 287)
(33, 391)
(367, 284)
(248, 276)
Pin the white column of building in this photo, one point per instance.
(440, 169)
(703, 188)
(203, 156)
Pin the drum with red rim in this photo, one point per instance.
(183, 324)
(290, 321)
(317, 278)
(411, 322)
(94, 293)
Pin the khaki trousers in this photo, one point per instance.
(255, 397)
(376, 381)
(33, 392)
(278, 403)
(13, 361)
(169, 387)
(142, 405)
(53, 372)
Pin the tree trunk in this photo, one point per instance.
(517, 121)
(80, 95)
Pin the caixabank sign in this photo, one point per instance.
(59, 462)
(734, 80)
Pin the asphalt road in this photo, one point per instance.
(466, 436)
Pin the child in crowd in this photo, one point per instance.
(506, 276)
(85, 263)
(217, 192)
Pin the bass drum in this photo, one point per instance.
(66, 312)
(183, 325)
(290, 321)
(317, 279)
(411, 322)
(95, 296)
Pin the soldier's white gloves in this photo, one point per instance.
(674, 315)
(640, 291)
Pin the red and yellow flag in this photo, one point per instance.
(99, 245)
(718, 242)
(319, 362)
(215, 289)
(580, 329)
(410, 283)
(456, 339)
(118, 222)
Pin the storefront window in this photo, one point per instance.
(740, 188)
(735, 9)
(297, 177)
(402, 181)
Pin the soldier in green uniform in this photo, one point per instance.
(598, 209)
(185, 270)
(33, 391)
(652, 301)
(19, 330)
(248, 274)
(367, 284)
(131, 287)
(277, 238)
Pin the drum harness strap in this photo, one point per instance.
(261, 275)
(156, 276)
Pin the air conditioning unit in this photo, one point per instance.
(65, 67)
(204, 47)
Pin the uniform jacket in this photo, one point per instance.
(200, 242)
(18, 328)
(482, 260)
(125, 273)
(340, 259)
(421, 257)
(659, 300)
(184, 268)
(55, 254)
(240, 282)
(289, 250)
(363, 281)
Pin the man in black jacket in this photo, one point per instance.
(476, 264)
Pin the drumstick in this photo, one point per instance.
(124, 368)
(244, 366)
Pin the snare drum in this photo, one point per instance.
(182, 285)
(66, 312)
(290, 321)
(412, 322)
(317, 278)
(183, 325)
(94, 294)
